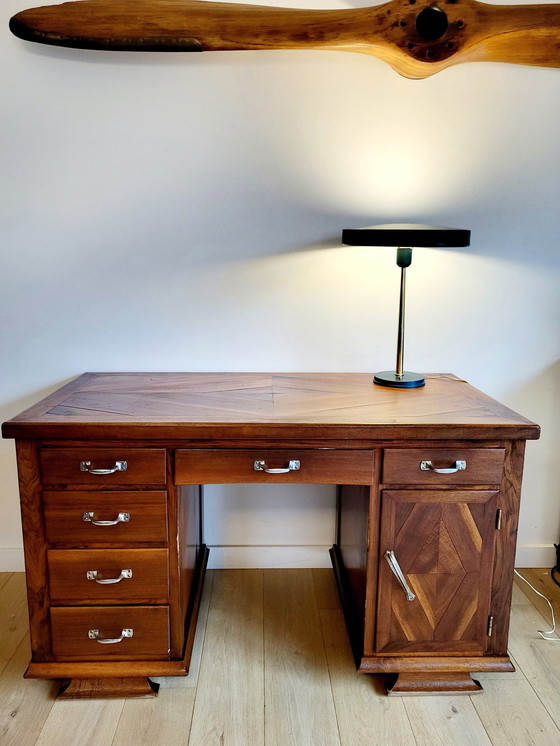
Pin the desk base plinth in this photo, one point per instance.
(109, 688)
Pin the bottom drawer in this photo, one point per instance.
(106, 632)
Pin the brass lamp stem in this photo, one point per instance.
(400, 335)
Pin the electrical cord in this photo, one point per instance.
(541, 632)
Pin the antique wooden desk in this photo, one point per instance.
(111, 468)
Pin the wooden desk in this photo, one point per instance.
(111, 468)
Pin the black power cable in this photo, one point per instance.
(556, 570)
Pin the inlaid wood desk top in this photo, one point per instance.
(266, 405)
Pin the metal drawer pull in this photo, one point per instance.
(93, 634)
(428, 466)
(121, 518)
(398, 573)
(92, 575)
(261, 466)
(119, 466)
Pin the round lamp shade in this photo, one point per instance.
(406, 234)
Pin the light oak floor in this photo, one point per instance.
(272, 665)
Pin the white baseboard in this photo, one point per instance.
(11, 560)
(535, 555)
(236, 557)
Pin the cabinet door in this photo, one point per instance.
(443, 542)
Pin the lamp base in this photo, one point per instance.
(408, 380)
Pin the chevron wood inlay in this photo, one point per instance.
(181, 404)
(443, 542)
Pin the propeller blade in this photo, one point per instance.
(416, 37)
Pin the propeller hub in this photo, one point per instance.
(431, 23)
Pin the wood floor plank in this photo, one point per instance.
(229, 705)
(84, 722)
(14, 620)
(326, 591)
(25, 704)
(512, 713)
(441, 721)
(366, 716)
(538, 659)
(542, 581)
(165, 719)
(299, 702)
(191, 681)
(4, 577)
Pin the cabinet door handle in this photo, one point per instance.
(261, 466)
(121, 518)
(428, 466)
(398, 573)
(92, 575)
(119, 466)
(93, 634)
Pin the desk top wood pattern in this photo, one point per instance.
(158, 406)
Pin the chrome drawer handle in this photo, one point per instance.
(92, 575)
(398, 573)
(121, 518)
(428, 466)
(93, 634)
(261, 466)
(119, 466)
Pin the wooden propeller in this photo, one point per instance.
(416, 37)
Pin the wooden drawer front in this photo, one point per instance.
(142, 572)
(70, 629)
(65, 511)
(483, 465)
(63, 465)
(323, 466)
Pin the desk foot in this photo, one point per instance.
(433, 683)
(113, 688)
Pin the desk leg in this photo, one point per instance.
(434, 683)
(108, 688)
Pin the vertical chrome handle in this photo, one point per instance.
(92, 575)
(121, 518)
(398, 573)
(261, 466)
(93, 634)
(428, 466)
(119, 466)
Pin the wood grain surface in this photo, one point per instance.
(417, 38)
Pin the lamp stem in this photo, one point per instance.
(399, 370)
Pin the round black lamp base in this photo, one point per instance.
(408, 380)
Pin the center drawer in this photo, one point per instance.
(108, 576)
(318, 466)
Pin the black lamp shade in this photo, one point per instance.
(406, 234)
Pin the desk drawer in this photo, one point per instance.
(148, 625)
(105, 517)
(443, 466)
(76, 576)
(103, 466)
(321, 466)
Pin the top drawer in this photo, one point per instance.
(103, 466)
(443, 465)
(320, 466)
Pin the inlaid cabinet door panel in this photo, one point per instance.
(443, 542)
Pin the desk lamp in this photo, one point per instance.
(404, 236)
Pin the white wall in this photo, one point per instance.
(183, 212)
